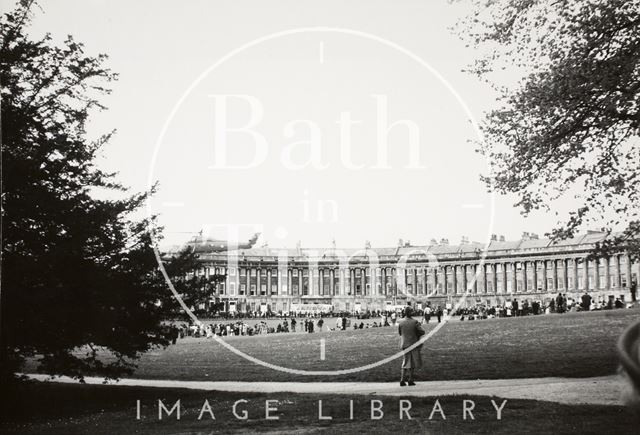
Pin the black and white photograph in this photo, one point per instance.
(320, 216)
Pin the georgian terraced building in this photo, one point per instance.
(379, 278)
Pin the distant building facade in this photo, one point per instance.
(300, 279)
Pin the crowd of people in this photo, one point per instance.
(318, 322)
(307, 324)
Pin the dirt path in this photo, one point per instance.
(605, 390)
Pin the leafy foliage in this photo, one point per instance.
(80, 287)
(569, 128)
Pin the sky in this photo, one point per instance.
(307, 121)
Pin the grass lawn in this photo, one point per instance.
(569, 345)
(59, 408)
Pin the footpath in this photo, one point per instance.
(604, 390)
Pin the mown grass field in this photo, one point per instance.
(572, 345)
(86, 409)
(568, 345)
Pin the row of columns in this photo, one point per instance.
(436, 276)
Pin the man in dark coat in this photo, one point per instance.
(586, 302)
(410, 332)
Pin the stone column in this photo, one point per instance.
(374, 282)
(444, 279)
(535, 275)
(435, 280)
(627, 271)
(585, 272)
(332, 282)
(514, 277)
(269, 283)
(475, 279)
(383, 277)
(554, 275)
(607, 274)
(596, 274)
(414, 281)
(352, 281)
(483, 268)
(464, 278)
(545, 286)
(504, 278)
(258, 270)
(454, 278)
(525, 275)
(363, 281)
(618, 271)
(575, 274)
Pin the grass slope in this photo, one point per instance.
(568, 345)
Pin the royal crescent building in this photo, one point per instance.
(325, 279)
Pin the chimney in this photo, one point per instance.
(400, 243)
(433, 242)
(534, 236)
(525, 235)
(502, 238)
(465, 240)
(407, 243)
(444, 242)
(494, 237)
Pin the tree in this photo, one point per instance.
(193, 288)
(570, 125)
(80, 286)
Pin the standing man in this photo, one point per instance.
(633, 289)
(410, 332)
(586, 301)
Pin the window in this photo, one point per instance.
(221, 287)
(243, 289)
(295, 272)
(243, 272)
(232, 288)
(263, 289)
(253, 289)
(232, 271)
(253, 272)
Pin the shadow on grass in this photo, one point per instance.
(32, 407)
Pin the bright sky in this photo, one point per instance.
(294, 88)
